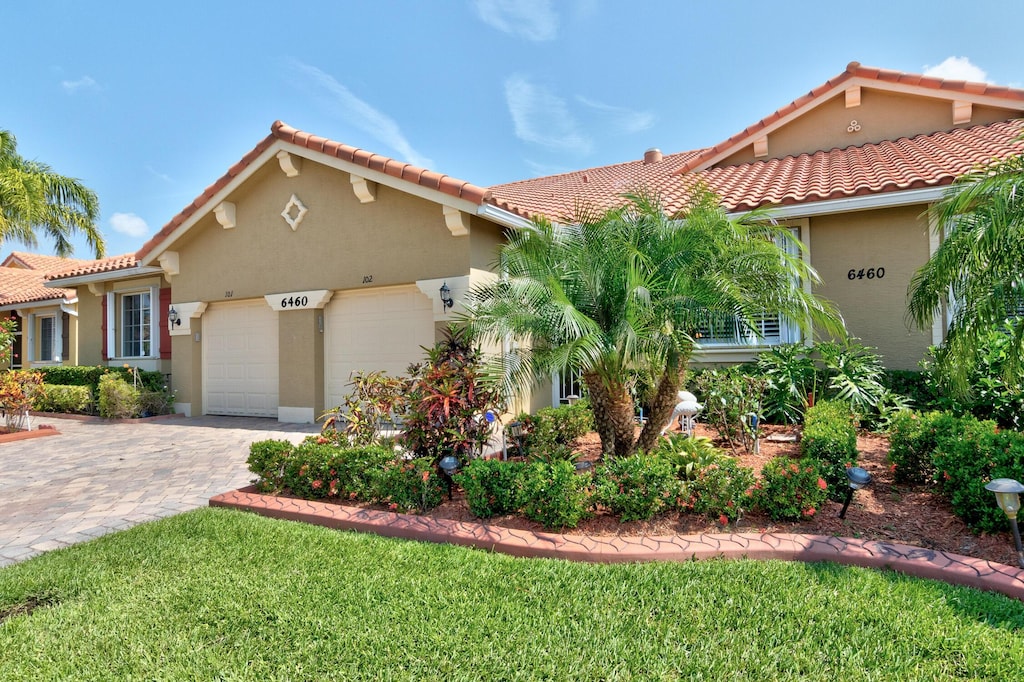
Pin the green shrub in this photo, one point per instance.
(409, 486)
(67, 399)
(267, 459)
(492, 487)
(318, 468)
(792, 380)
(722, 490)
(637, 488)
(729, 396)
(912, 441)
(687, 454)
(117, 398)
(90, 376)
(913, 385)
(554, 426)
(554, 495)
(790, 490)
(830, 437)
(152, 403)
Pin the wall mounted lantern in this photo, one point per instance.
(1008, 493)
(446, 296)
(172, 318)
(858, 479)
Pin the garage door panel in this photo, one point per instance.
(241, 359)
(372, 331)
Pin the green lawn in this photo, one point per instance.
(216, 594)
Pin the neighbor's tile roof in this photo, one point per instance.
(854, 70)
(122, 262)
(360, 157)
(38, 261)
(18, 285)
(907, 163)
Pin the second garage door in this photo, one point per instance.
(240, 371)
(368, 331)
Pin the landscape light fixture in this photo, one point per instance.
(449, 466)
(446, 296)
(172, 318)
(1008, 493)
(858, 479)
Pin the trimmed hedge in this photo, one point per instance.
(637, 488)
(60, 398)
(90, 376)
(791, 490)
(554, 495)
(831, 438)
(492, 487)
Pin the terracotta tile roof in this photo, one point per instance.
(855, 71)
(360, 157)
(38, 261)
(92, 267)
(18, 285)
(907, 163)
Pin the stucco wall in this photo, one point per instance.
(874, 309)
(881, 116)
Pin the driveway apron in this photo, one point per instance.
(97, 477)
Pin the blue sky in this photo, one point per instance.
(148, 103)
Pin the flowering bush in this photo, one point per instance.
(831, 438)
(790, 490)
(18, 389)
(492, 487)
(267, 460)
(721, 489)
(637, 487)
(408, 486)
(912, 440)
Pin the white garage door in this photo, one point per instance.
(240, 359)
(368, 331)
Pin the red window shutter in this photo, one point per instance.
(165, 332)
(103, 327)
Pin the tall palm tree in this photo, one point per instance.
(625, 294)
(977, 273)
(34, 198)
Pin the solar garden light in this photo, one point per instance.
(858, 479)
(449, 466)
(1008, 493)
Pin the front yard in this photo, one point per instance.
(215, 594)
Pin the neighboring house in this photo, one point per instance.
(311, 259)
(46, 318)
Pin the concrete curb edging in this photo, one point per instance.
(915, 561)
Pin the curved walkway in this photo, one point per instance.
(915, 561)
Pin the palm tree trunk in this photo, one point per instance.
(664, 402)
(613, 415)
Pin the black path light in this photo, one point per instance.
(858, 479)
(449, 466)
(1008, 493)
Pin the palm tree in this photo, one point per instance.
(33, 197)
(977, 273)
(624, 294)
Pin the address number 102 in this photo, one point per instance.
(870, 273)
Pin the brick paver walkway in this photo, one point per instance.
(98, 477)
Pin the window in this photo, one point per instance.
(17, 346)
(47, 329)
(136, 325)
(569, 384)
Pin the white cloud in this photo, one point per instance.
(541, 117)
(627, 120)
(129, 224)
(531, 19)
(83, 83)
(957, 69)
(361, 114)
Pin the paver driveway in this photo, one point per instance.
(97, 477)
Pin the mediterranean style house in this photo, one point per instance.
(310, 259)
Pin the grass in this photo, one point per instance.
(216, 594)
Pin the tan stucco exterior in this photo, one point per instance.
(874, 309)
(880, 116)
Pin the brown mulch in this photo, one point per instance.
(884, 511)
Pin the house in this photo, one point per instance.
(46, 318)
(310, 259)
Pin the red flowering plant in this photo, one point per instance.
(722, 488)
(790, 490)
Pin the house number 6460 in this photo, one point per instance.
(870, 273)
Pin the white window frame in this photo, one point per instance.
(116, 338)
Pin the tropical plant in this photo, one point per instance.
(8, 328)
(376, 400)
(687, 454)
(34, 198)
(730, 397)
(976, 273)
(18, 390)
(853, 373)
(448, 399)
(792, 380)
(625, 293)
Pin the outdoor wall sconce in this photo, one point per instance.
(858, 479)
(446, 296)
(1008, 493)
(172, 318)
